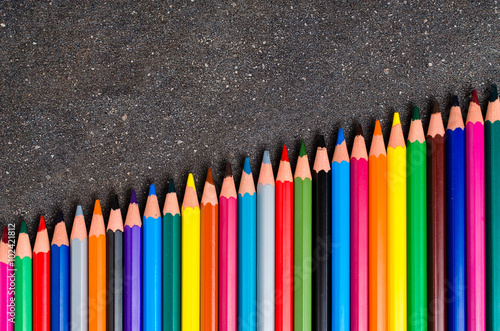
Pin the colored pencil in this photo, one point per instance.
(359, 233)
(132, 274)
(59, 259)
(41, 279)
(455, 220)
(474, 183)
(97, 271)
(416, 176)
(171, 261)
(436, 176)
(396, 228)
(114, 268)
(228, 282)
(284, 245)
(209, 219)
(151, 263)
(265, 245)
(340, 236)
(79, 267)
(377, 232)
(247, 250)
(190, 309)
(6, 279)
(302, 251)
(492, 160)
(322, 240)
(24, 270)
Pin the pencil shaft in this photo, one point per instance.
(60, 287)
(132, 276)
(114, 274)
(41, 291)
(23, 296)
(79, 284)
(152, 260)
(171, 272)
(97, 283)
(209, 266)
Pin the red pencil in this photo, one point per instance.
(284, 245)
(41, 279)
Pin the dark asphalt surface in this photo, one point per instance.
(99, 97)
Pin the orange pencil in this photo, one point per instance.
(209, 256)
(377, 232)
(97, 271)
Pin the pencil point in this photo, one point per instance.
(116, 203)
(210, 177)
(475, 99)
(455, 101)
(303, 149)
(79, 211)
(5, 237)
(340, 137)
(359, 130)
(228, 172)
(152, 190)
(246, 166)
(321, 142)
(133, 197)
(41, 225)
(190, 181)
(396, 119)
(60, 216)
(97, 208)
(435, 108)
(416, 114)
(494, 92)
(378, 129)
(284, 154)
(266, 158)
(171, 187)
(23, 227)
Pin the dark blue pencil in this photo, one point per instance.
(59, 251)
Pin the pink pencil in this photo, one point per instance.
(6, 276)
(228, 250)
(359, 233)
(474, 165)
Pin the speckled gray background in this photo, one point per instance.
(100, 97)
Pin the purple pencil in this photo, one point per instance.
(133, 263)
(474, 168)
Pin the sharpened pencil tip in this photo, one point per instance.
(475, 99)
(378, 129)
(435, 108)
(455, 101)
(79, 211)
(97, 208)
(494, 92)
(133, 197)
(321, 142)
(266, 158)
(396, 119)
(229, 171)
(210, 177)
(190, 181)
(416, 114)
(359, 130)
(5, 236)
(284, 154)
(41, 225)
(23, 227)
(60, 216)
(246, 166)
(116, 203)
(152, 190)
(303, 151)
(171, 186)
(340, 137)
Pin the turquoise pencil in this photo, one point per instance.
(247, 250)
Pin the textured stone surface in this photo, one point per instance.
(105, 96)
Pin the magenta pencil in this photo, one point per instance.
(359, 233)
(474, 169)
(6, 290)
(228, 250)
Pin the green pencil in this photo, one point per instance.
(492, 222)
(416, 172)
(24, 270)
(171, 261)
(302, 212)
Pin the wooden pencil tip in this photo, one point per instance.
(23, 227)
(190, 181)
(340, 137)
(266, 159)
(152, 190)
(359, 130)
(475, 99)
(171, 187)
(494, 92)
(60, 216)
(416, 114)
(284, 154)
(229, 171)
(97, 208)
(133, 197)
(79, 211)
(378, 129)
(435, 108)
(303, 151)
(210, 177)
(455, 101)
(396, 119)
(116, 203)
(246, 166)
(321, 142)
(5, 236)
(41, 225)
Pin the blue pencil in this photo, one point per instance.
(247, 250)
(59, 258)
(340, 236)
(455, 222)
(152, 263)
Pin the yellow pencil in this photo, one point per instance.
(190, 309)
(396, 228)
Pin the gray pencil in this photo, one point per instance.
(79, 301)
(265, 246)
